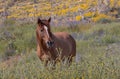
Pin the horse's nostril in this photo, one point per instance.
(50, 43)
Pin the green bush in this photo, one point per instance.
(108, 39)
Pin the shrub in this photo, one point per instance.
(9, 22)
(103, 20)
(10, 50)
(107, 39)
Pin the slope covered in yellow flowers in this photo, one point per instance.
(77, 9)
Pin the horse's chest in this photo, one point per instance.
(47, 55)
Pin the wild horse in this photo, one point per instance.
(53, 47)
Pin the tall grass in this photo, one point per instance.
(97, 48)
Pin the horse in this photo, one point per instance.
(53, 46)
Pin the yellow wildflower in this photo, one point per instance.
(78, 18)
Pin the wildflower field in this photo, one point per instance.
(95, 10)
(98, 53)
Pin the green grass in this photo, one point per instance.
(98, 50)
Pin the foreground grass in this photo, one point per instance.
(97, 55)
(29, 67)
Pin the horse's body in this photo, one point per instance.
(64, 45)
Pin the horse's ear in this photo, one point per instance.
(49, 19)
(39, 21)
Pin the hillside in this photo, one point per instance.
(60, 10)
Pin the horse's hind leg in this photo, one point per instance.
(69, 60)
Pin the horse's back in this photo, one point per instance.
(63, 35)
(68, 41)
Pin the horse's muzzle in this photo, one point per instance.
(50, 44)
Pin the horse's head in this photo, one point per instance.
(45, 32)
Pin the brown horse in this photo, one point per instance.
(53, 47)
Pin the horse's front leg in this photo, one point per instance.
(46, 63)
(49, 64)
(53, 63)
